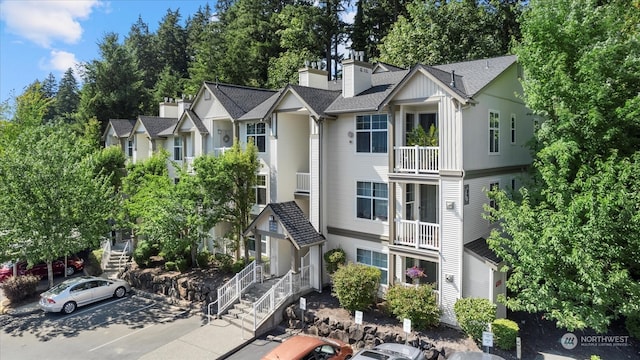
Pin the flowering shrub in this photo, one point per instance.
(415, 272)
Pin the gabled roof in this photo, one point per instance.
(369, 100)
(121, 127)
(477, 74)
(238, 100)
(195, 119)
(157, 127)
(290, 216)
(313, 99)
(384, 67)
(481, 249)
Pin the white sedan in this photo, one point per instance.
(70, 294)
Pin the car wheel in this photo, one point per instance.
(120, 292)
(69, 307)
(70, 270)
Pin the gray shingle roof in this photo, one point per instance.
(477, 74)
(383, 67)
(196, 121)
(317, 99)
(261, 111)
(157, 127)
(480, 248)
(296, 223)
(122, 127)
(238, 100)
(370, 99)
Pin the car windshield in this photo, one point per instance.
(59, 288)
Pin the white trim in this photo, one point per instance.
(489, 132)
(513, 134)
(355, 192)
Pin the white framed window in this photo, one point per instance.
(513, 128)
(375, 259)
(177, 148)
(130, 148)
(251, 244)
(261, 190)
(429, 270)
(494, 132)
(257, 132)
(372, 200)
(371, 133)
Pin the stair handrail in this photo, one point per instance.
(270, 301)
(106, 252)
(122, 260)
(233, 289)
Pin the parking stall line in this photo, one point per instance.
(77, 313)
(120, 338)
(118, 317)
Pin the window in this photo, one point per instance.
(513, 128)
(177, 148)
(493, 186)
(371, 133)
(372, 200)
(257, 133)
(251, 244)
(427, 120)
(130, 147)
(376, 259)
(513, 184)
(409, 201)
(261, 190)
(429, 270)
(494, 132)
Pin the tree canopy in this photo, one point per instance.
(571, 237)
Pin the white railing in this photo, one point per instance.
(124, 257)
(417, 159)
(188, 163)
(219, 151)
(417, 234)
(303, 182)
(232, 290)
(106, 252)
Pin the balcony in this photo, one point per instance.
(219, 151)
(188, 163)
(417, 234)
(416, 159)
(303, 183)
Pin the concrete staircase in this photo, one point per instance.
(241, 314)
(111, 270)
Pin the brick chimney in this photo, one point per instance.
(356, 74)
(313, 77)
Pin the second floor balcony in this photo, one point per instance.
(417, 159)
(303, 183)
(417, 234)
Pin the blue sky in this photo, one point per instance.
(38, 37)
(46, 36)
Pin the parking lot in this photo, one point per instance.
(124, 328)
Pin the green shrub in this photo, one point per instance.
(505, 333)
(238, 266)
(632, 323)
(170, 266)
(224, 261)
(204, 257)
(417, 303)
(17, 288)
(143, 252)
(474, 314)
(182, 265)
(93, 262)
(356, 286)
(333, 259)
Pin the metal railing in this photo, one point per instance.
(123, 260)
(417, 234)
(417, 159)
(232, 289)
(106, 252)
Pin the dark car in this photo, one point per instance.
(74, 264)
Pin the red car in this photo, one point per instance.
(73, 264)
(302, 347)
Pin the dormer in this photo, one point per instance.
(312, 77)
(356, 75)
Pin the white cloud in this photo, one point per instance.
(62, 60)
(348, 16)
(44, 22)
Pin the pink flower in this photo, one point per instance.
(415, 272)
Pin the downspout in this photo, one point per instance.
(320, 123)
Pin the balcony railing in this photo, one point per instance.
(417, 159)
(219, 151)
(303, 182)
(188, 163)
(417, 234)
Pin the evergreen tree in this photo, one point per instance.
(67, 98)
(49, 90)
(172, 43)
(374, 19)
(143, 48)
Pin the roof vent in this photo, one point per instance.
(453, 79)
